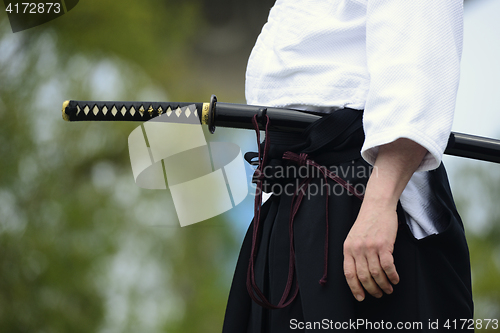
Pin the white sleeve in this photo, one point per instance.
(413, 58)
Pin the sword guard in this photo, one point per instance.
(211, 114)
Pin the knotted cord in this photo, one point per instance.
(302, 160)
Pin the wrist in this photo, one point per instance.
(382, 190)
(381, 197)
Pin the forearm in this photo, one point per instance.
(395, 164)
(368, 261)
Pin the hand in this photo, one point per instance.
(368, 260)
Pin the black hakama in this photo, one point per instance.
(435, 285)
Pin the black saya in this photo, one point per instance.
(216, 114)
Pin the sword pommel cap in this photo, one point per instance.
(64, 114)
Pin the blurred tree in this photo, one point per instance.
(82, 249)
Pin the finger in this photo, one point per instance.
(387, 264)
(378, 274)
(352, 278)
(365, 277)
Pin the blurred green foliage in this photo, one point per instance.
(477, 196)
(82, 248)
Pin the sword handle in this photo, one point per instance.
(132, 111)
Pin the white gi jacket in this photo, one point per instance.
(398, 60)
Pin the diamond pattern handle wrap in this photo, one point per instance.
(129, 111)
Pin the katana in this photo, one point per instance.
(217, 114)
